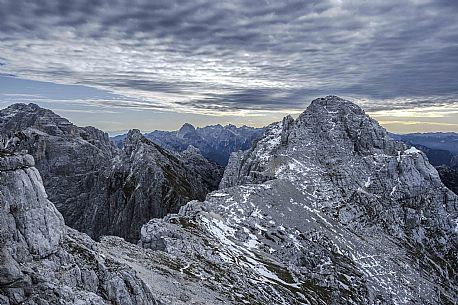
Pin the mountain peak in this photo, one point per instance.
(31, 108)
(187, 127)
(134, 133)
(332, 104)
(186, 131)
(23, 106)
(133, 139)
(21, 116)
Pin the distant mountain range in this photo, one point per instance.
(434, 140)
(215, 142)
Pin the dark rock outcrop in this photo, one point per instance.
(210, 173)
(449, 175)
(145, 181)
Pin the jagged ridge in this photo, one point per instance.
(100, 189)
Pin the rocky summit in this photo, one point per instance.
(98, 188)
(322, 209)
(146, 181)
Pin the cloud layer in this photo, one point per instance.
(223, 57)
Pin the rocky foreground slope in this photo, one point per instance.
(43, 262)
(324, 209)
(98, 188)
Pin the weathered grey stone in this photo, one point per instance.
(42, 261)
(144, 181)
(325, 209)
(99, 189)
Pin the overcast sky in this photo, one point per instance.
(157, 64)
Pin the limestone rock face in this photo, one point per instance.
(210, 173)
(44, 262)
(68, 157)
(26, 210)
(445, 161)
(144, 182)
(324, 209)
(98, 188)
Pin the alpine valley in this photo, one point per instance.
(327, 208)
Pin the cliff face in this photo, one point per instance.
(324, 209)
(44, 262)
(69, 158)
(449, 174)
(349, 167)
(143, 181)
(445, 161)
(98, 188)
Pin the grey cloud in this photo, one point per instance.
(260, 55)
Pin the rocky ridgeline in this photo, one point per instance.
(146, 181)
(98, 188)
(44, 262)
(324, 209)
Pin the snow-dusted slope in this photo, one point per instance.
(325, 209)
